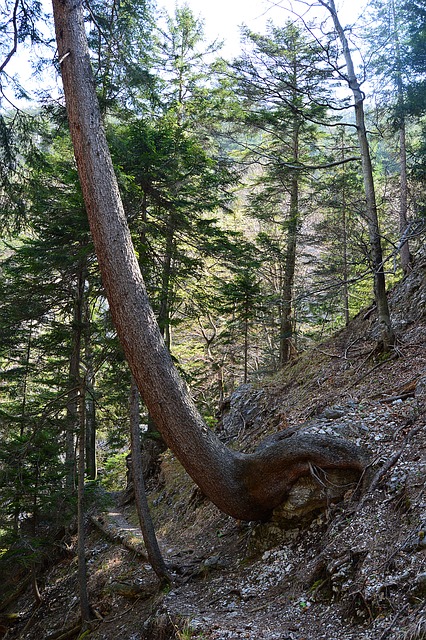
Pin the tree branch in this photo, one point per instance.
(301, 166)
(15, 36)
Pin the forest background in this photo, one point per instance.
(244, 193)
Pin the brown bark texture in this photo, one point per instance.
(247, 487)
(142, 507)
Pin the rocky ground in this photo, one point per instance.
(355, 570)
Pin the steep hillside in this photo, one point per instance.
(355, 570)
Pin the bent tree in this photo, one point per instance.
(246, 486)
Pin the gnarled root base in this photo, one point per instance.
(298, 474)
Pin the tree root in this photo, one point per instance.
(273, 472)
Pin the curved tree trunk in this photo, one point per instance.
(247, 487)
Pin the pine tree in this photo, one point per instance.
(282, 95)
(246, 486)
(385, 325)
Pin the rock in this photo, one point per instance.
(420, 392)
(309, 494)
(307, 497)
(421, 543)
(133, 589)
(246, 408)
(215, 562)
(419, 585)
(333, 413)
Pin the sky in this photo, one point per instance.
(223, 17)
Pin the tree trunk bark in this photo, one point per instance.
(286, 347)
(246, 486)
(286, 329)
(91, 462)
(145, 520)
(405, 254)
(165, 293)
(81, 533)
(345, 286)
(386, 330)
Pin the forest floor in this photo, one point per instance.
(357, 570)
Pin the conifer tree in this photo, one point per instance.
(385, 324)
(282, 95)
(246, 486)
(388, 52)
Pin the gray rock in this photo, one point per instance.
(333, 413)
(420, 393)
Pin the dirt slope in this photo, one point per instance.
(356, 571)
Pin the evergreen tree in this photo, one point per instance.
(121, 39)
(175, 182)
(389, 57)
(282, 95)
(242, 302)
(340, 239)
(371, 214)
(414, 16)
(41, 346)
(247, 486)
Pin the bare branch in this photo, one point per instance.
(15, 36)
(302, 167)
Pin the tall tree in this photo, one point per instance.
(81, 511)
(385, 324)
(339, 233)
(241, 298)
(406, 257)
(387, 36)
(282, 91)
(120, 37)
(247, 486)
(414, 16)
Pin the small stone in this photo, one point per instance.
(333, 413)
(421, 543)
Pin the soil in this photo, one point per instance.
(354, 570)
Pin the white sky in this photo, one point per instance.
(223, 18)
